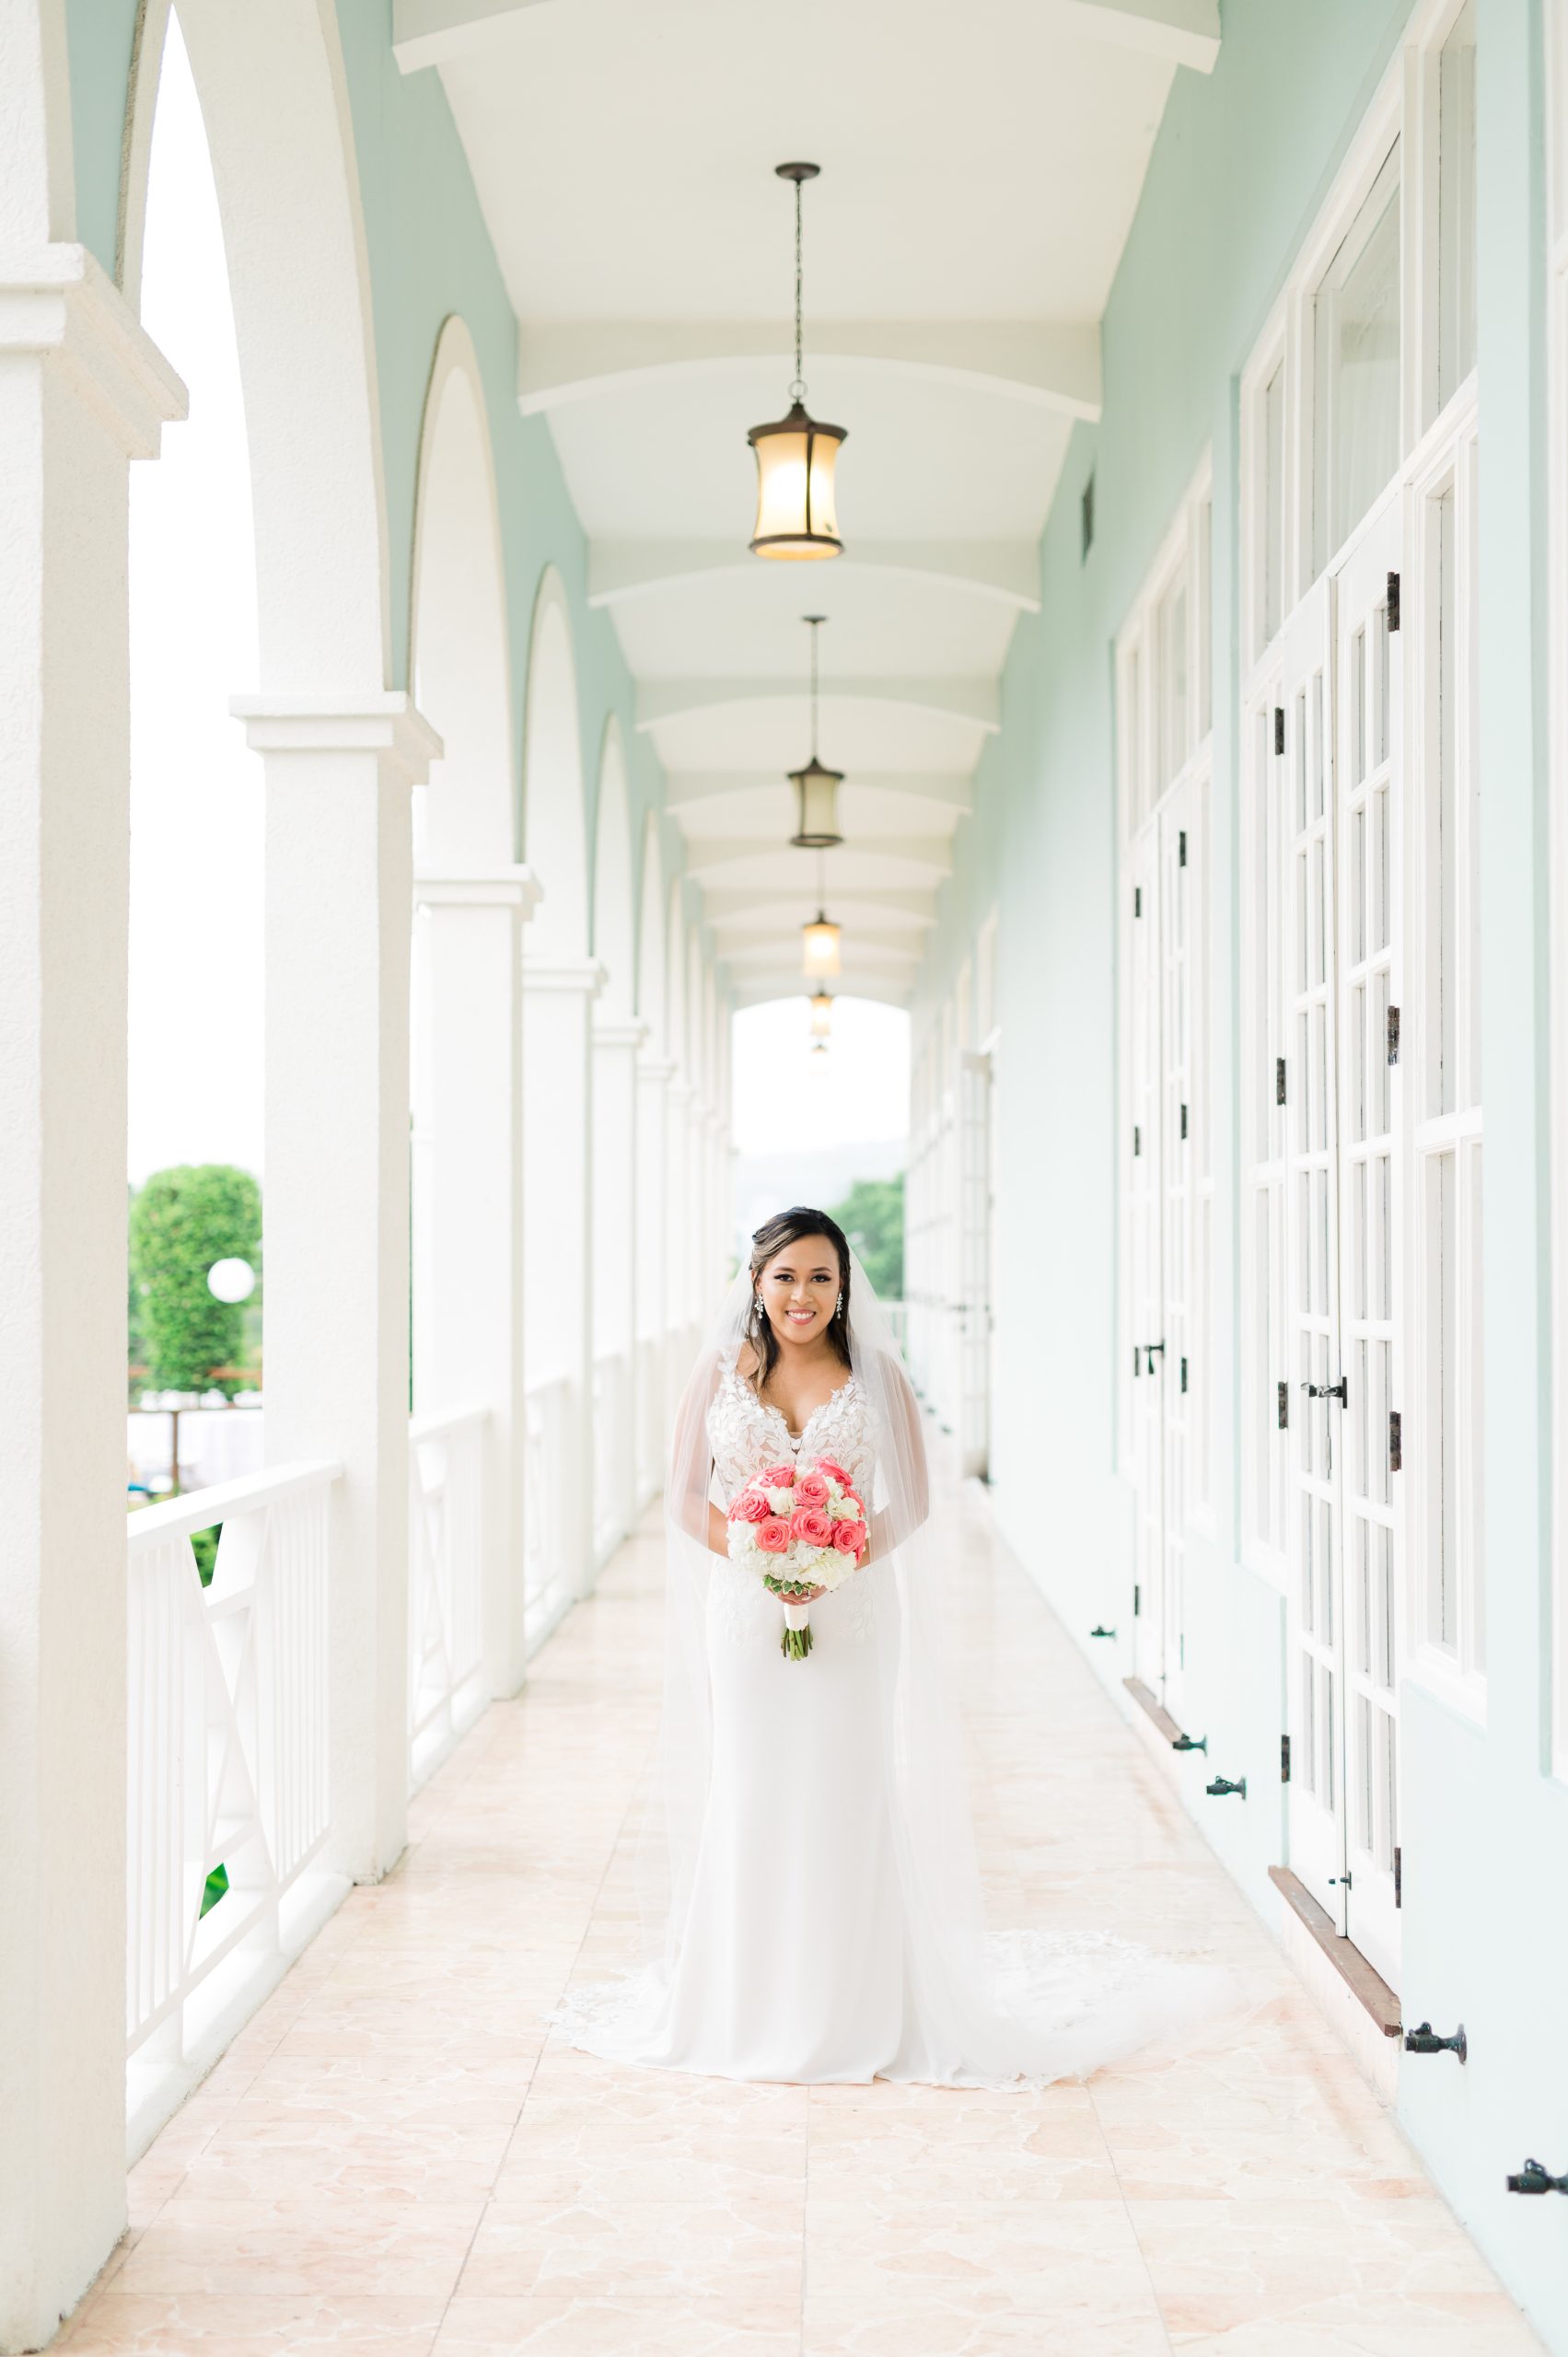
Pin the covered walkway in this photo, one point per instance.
(394, 2155)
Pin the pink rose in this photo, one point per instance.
(749, 1505)
(776, 1477)
(811, 1526)
(849, 1537)
(812, 1490)
(834, 1472)
(772, 1536)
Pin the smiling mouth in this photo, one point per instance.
(800, 1317)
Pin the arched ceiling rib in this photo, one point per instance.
(981, 167)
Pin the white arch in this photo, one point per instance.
(614, 931)
(464, 819)
(650, 941)
(553, 832)
(276, 105)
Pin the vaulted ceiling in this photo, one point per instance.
(979, 169)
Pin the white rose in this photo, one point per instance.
(844, 1510)
(781, 1502)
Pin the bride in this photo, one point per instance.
(811, 1891)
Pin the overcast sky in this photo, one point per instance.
(196, 840)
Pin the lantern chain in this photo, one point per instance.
(797, 390)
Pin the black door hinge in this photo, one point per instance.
(1279, 728)
(1396, 1442)
(1137, 899)
(1398, 1879)
(1184, 1120)
(1282, 1414)
(1138, 1139)
(1393, 602)
(1184, 1375)
(1137, 1601)
(1393, 1035)
(1279, 1080)
(1284, 1759)
(1181, 848)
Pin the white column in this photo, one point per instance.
(654, 1406)
(558, 996)
(339, 879)
(679, 1303)
(467, 1301)
(615, 1046)
(82, 391)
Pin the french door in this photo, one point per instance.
(1160, 1206)
(1341, 844)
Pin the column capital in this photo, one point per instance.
(58, 301)
(620, 1035)
(498, 887)
(385, 722)
(585, 974)
(660, 1069)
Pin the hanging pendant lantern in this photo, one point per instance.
(816, 787)
(819, 946)
(821, 1013)
(797, 511)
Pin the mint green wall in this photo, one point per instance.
(1240, 166)
(430, 256)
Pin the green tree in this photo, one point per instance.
(183, 1221)
(871, 1216)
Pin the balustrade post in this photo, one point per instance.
(467, 1300)
(615, 1108)
(558, 996)
(653, 1404)
(340, 776)
(82, 392)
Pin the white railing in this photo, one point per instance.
(548, 1580)
(226, 1781)
(446, 1584)
(614, 1474)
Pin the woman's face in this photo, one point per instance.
(798, 1289)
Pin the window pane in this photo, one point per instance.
(1456, 205)
(1274, 502)
(1357, 368)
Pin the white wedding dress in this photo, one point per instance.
(822, 1930)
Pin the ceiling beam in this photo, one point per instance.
(1050, 364)
(975, 701)
(760, 990)
(706, 855)
(433, 32)
(1187, 31)
(881, 904)
(687, 789)
(859, 956)
(1006, 571)
(430, 32)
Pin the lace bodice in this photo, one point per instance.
(747, 1432)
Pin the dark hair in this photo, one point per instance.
(772, 1238)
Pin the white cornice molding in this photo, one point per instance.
(59, 302)
(657, 1071)
(501, 887)
(620, 1033)
(584, 975)
(389, 725)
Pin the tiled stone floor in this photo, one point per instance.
(396, 2157)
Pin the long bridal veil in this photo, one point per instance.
(1027, 2008)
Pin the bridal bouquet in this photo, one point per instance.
(799, 1529)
